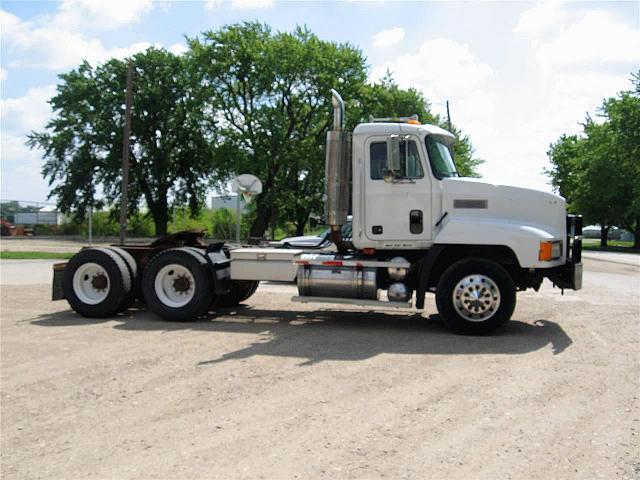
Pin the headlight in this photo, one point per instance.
(550, 251)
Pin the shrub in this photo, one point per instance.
(142, 226)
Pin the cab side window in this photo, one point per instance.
(409, 160)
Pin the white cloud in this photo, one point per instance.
(124, 52)
(251, 4)
(178, 48)
(20, 179)
(3, 74)
(440, 66)
(596, 39)
(560, 38)
(21, 166)
(573, 58)
(239, 4)
(92, 14)
(576, 57)
(29, 112)
(388, 38)
(212, 4)
(446, 70)
(540, 18)
(49, 44)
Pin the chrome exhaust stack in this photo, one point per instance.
(338, 173)
(338, 110)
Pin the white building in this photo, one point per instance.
(45, 216)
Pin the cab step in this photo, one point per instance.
(352, 301)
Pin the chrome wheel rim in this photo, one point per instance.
(174, 285)
(91, 283)
(476, 298)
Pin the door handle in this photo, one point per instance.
(415, 221)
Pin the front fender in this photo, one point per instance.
(523, 240)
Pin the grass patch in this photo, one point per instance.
(624, 246)
(35, 255)
(595, 242)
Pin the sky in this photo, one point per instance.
(517, 74)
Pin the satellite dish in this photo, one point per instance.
(246, 185)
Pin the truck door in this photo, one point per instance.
(397, 210)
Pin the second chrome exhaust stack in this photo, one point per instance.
(337, 173)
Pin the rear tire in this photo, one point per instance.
(136, 280)
(177, 285)
(96, 283)
(475, 296)
(239, 292)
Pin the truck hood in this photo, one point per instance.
(471, 198)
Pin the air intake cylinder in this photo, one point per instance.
(338, 171)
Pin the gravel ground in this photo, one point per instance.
(280, 390)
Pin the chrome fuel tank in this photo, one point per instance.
(321, 281)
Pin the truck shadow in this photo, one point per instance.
(338, 335)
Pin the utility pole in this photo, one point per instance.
(448, 116)
(238, 215)
(125, 157)
(91, 224)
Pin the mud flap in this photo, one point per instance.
(57, 293)
(221, 269)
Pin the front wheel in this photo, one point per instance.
(475, 296)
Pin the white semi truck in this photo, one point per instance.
(417, 228)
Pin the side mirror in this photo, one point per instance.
(392, 168)
(393, 153)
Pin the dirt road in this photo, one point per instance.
(277, 390)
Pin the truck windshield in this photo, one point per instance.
(440, 157)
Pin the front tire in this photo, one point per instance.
(177, 285)
(475, 296)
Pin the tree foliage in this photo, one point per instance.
(598, 172)
(243, 99)
(170, 155)
(270, 92)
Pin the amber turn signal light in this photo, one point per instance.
(549, 251)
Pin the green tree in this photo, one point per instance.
(582, 172)
(598, 172)
(623, 121)
(564, 155)
(270, 94)
(170, 154)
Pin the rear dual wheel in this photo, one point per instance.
(239, 292)
(177, 284)
(97, 283)
(136, 279)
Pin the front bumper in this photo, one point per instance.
(569, 275)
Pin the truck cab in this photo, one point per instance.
(427, 203)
